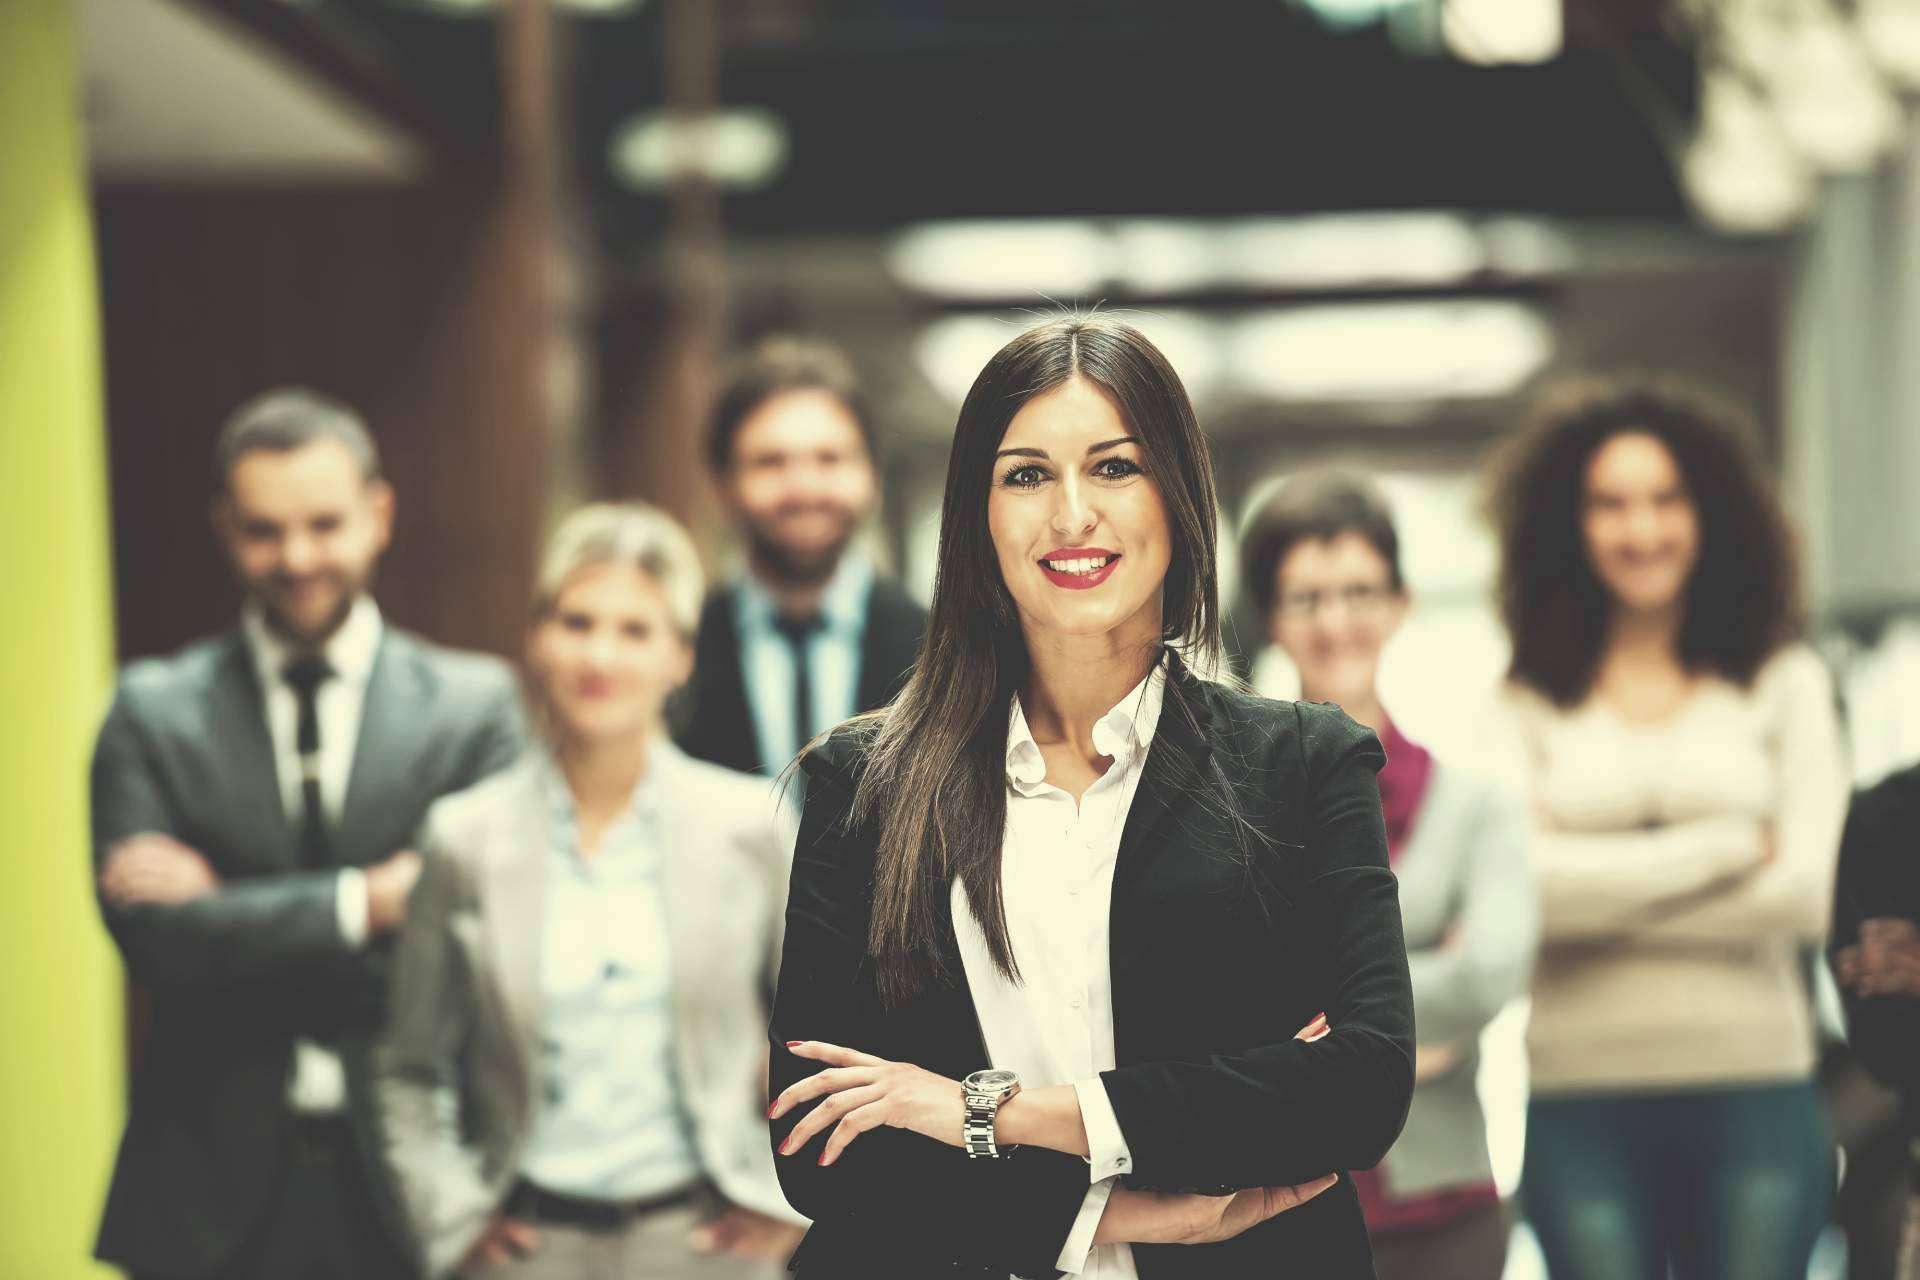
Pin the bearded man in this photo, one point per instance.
(809, 634)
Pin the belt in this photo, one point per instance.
(531, 1203)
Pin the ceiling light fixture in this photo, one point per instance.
(739, 148)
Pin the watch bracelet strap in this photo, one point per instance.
(982, 1109)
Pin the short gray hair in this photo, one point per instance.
(629, 533)
(289, 418)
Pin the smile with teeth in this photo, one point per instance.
(1080, 565)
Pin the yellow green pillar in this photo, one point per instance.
(63, 1053)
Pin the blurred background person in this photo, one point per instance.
(583, 974)
(522, 236)
(810, 634)
(1874, 948)
(1321, 560)
(254, 800)
(1684, 766)
(1875, 944)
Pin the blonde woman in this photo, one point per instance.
(573, 1079)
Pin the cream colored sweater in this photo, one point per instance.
(1670, 940)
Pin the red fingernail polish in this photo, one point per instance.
(795, 1044)
(770, 1110)
(823, 1158)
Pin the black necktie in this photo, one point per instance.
(305, 676)
(798, 631)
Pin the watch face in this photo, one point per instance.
(992, 1081)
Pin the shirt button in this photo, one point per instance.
(1074, 1001)
(1074, 889)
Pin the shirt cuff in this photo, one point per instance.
(350, 907)
(1107, 1153)
(1073, 1254)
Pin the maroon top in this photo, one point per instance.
(1403, 786)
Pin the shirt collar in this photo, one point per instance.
(1123, 733)
(350, 650)
(843, 605)
(645, 802)
(843, 601)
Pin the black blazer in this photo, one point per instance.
(237, 976)
(1879, 876)
(713, 718)
(1216, 962)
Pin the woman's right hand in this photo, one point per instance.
(505, 1240)
(1161, 1217)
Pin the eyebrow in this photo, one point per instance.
(1092, 449)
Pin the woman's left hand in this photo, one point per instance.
(863, 1092)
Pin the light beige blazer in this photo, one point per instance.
(457, 1074)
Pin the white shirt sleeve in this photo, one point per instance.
(1107, 1158)
(350, 907)
(1107, 1153)
(1073, 1254)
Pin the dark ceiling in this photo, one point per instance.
(900, 110)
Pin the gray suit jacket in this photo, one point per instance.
(237, 976)
(1471, 921)
(459, 1071)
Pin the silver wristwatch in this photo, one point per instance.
(984, 1091)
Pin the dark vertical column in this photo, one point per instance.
(439, 309)
(656, 449)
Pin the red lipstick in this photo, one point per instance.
(1080, 577)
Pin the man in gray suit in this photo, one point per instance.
(253, 797)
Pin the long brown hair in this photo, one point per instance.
(935, 777)
(1743, 598)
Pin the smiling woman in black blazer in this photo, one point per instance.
(1091, 965)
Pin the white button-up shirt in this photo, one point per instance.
(609, 1121)
(1056, 876)
(319, 1081)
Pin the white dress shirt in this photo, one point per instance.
(610, 1120)
(319, 1082)
(1056, 878)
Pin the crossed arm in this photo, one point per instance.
(177, 923)
(883, 1148)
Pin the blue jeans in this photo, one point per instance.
(1718, 1184)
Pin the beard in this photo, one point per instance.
(807, 566)
(274, 599)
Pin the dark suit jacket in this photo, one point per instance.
(1217, 960)
(716, 723)
(237, 976)
(1879, 875)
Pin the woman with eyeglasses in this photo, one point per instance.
(1683, 762)
(1091, 965)
(1322, 564)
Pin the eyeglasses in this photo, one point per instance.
(1358, 597)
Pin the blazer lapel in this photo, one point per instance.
(691, 896)
(513, 910)
(1179, 748)
(1167, 784)
(393, 731)
(245, 747)
(889, 643)
(720, 723)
